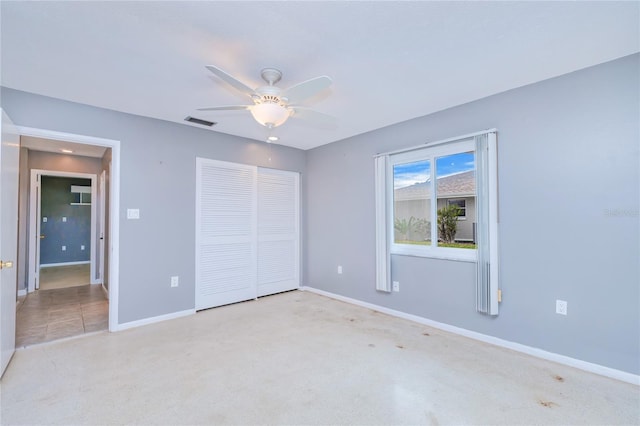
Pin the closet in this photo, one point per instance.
(247, 232)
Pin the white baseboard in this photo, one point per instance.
(518, 347)
(52, 265)
(105, 291)
(159, 318)
(22, 292)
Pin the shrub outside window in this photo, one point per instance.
(462, 207)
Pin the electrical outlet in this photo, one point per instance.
(64, 248)
(81, 247)
(133, 213)
(339, 269)
(174, 281)
(64, 219)
(396, 286)
(561, 307)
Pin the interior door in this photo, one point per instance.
(278, 231)
(9, 165)
(38, 235)
(34, 232)
(102, 219)
(226, 246)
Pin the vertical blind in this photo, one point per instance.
(487, 279)
(383, 267)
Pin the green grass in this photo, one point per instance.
(415, 243)
(440, 244)
(458, 245)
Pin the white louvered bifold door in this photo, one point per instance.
(278, 231)
(226, 238)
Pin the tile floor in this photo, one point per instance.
(65, 276)
(46, 315)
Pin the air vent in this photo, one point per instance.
(199, 121)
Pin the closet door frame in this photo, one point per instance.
(203, 239)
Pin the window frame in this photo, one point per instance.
(429, 152)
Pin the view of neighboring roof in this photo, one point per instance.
(456, 185)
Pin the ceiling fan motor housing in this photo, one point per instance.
(268, 95)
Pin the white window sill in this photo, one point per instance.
(442, 253)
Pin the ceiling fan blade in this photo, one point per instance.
(314, 118)
(226, 108)
(228, 78)
(307, 89)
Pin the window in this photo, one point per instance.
(435, 182)
(441, 200)
(412, 203)
(84, 195)
(462, 207)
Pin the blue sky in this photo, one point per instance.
(411, 173)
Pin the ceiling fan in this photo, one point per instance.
(272, 106)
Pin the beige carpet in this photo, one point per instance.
(299, 359)
(64, 276)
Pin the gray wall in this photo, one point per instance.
(157, 172)
(569, 224)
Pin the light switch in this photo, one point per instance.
(81, 247)
(64, 248)
(44, 219)
(64, 218)
(133, 213)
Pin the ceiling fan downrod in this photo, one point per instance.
(271, 75)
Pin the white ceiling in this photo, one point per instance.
(50, 145)
(390, 61)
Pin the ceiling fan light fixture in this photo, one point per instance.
(269, 114)
(272, 106)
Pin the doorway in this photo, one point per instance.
(66, 308)
(63, 231)
(62, 300)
